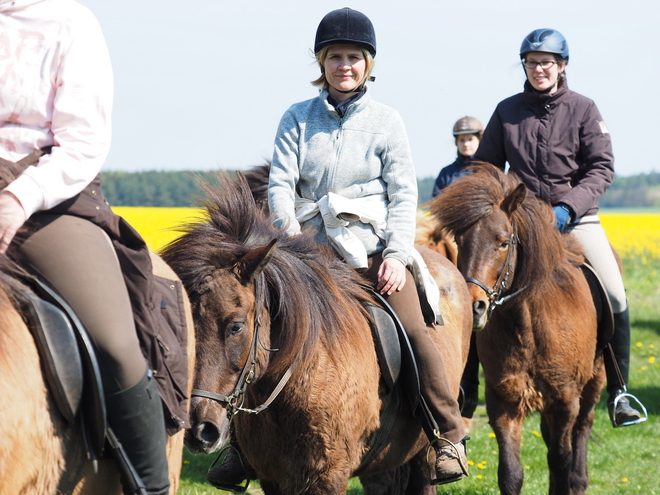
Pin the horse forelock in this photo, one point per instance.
(469, 199)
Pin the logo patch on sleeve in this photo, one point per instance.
(603, 127)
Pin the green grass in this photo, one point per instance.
(621, 461)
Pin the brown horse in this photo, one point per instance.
(39, 453)
(284, 344)
(538, 343)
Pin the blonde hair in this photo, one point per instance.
(322, 82)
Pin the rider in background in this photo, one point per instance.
(343, 147)
(57, 91)
(556, 141)
(467, 135)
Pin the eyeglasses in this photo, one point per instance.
(544, 64)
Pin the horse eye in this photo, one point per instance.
(236, 327)
(505, 244)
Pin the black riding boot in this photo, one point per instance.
(136, 417)
(470, 381)
(234, 472)
(617, 383)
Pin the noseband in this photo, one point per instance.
(495, 297)
(234, 402)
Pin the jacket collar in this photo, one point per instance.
(537, 99)
(355, 105)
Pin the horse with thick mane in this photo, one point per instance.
(537, 320)
(286, 355)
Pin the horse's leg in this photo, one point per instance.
(506, 421)
(391, 482)
(558, 422)
(579, 479)
(331, 483)
(419, 480)
(269, 488)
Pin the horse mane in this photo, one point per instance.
(310, 293)
(542, 251)
(257, 178)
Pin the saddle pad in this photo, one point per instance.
(603, 306)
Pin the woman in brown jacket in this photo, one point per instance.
(556, 141)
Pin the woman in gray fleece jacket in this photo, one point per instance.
(344, 153)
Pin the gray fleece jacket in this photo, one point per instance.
(364, 153)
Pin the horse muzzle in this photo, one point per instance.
(209, 429)
(479, 313)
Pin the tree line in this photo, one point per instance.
(181, 188)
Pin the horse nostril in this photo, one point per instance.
(479, 308)
(208, 433)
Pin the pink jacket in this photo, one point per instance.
(56, 88)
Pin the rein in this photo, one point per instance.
(495, 297)
(234, 401)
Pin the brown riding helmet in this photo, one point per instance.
(468, 125)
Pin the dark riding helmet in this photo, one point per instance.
(346, 26)
(545, 40)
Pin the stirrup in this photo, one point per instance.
(636, 401)
(464, 474)
(229, 487)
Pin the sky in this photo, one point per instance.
(202, 84)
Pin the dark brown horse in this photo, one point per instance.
(538, 343)
(285, 344)
(40, 454)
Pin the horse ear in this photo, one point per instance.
(514, 200)
(252, 264)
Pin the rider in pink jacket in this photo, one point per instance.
(56, 91)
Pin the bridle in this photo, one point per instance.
(495, 297)
(234, 402)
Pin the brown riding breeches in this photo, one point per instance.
(77, 259)
(433, 378)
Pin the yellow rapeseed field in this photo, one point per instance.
(158, 226)
(632, 234)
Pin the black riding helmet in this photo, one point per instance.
(546, 41)
(346, 26)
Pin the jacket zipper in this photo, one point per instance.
(338, 140)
